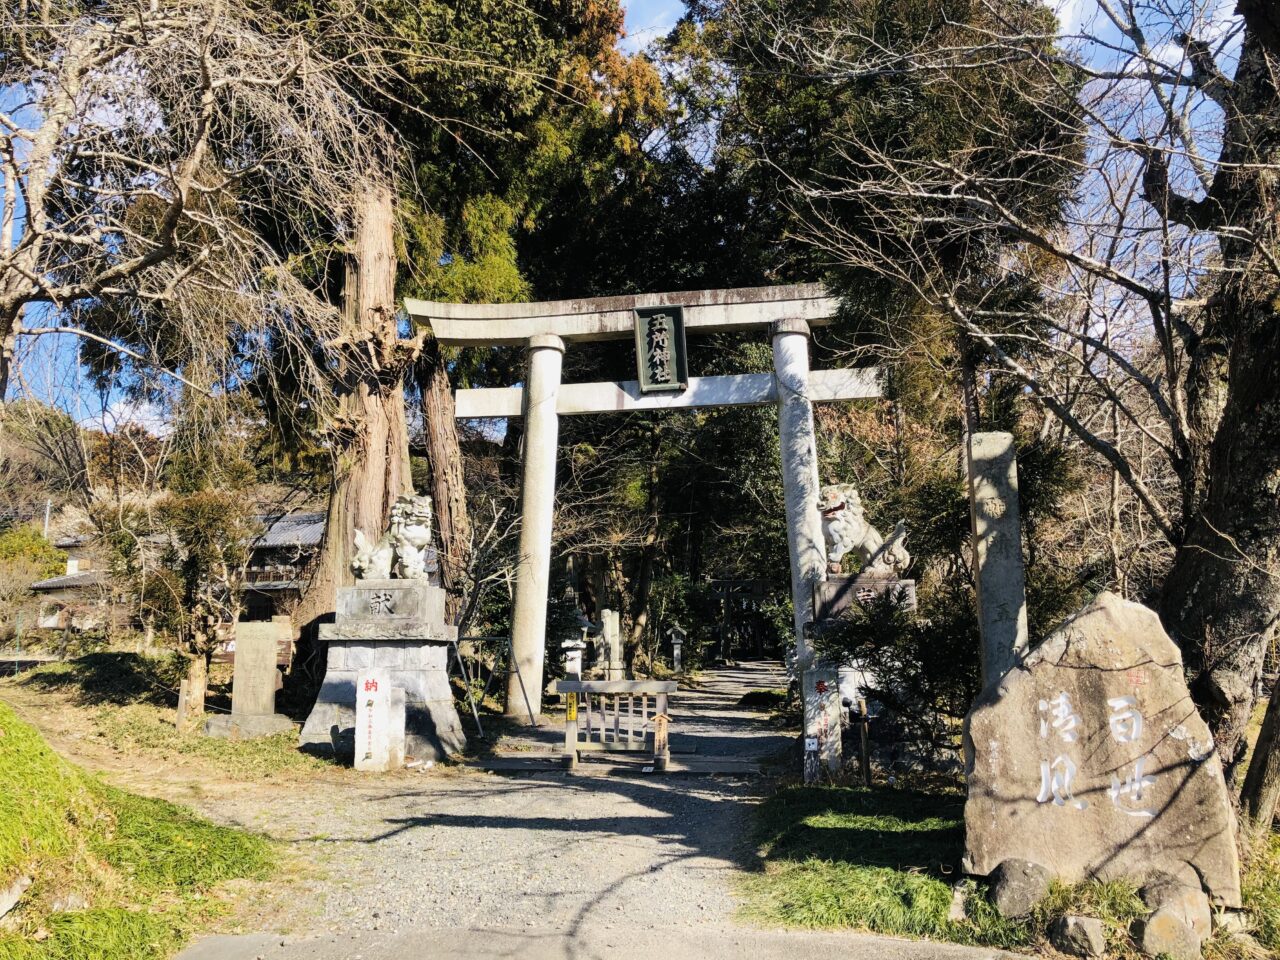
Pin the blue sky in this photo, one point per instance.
(649, 19)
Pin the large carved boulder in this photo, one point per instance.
(1089, 759)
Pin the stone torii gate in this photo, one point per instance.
(546, 329)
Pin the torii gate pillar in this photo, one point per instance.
(799, 474)
(537, 510)
(805, 542)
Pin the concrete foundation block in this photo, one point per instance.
(238, 726)
(359, 654)
(388, 654)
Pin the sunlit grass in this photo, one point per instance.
(885, 861)
(143, 868)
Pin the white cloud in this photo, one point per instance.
(121, 412)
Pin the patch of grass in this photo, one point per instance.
(772, 699)
(144, 727)
(115, 678)
(1261, 889)
(163, 848)
(110, 934)
(880, 860)
(885, 860)
(41, 796)
(145, 868)
(134, 696)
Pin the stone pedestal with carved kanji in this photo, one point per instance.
(397, 626)
(1089, 759)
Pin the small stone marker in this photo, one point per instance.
(822, 717)
(661, 741)
(1089, 759)
(997, 545)
(611, 631)
(379, 722)
(254, 681)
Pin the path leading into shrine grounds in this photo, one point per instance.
(534, 864)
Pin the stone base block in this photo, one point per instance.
(433, 730)
(247, 726)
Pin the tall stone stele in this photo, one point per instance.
(392, 620)
(254, 681)
(1089, 759)
(994, 517)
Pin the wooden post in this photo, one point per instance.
(571, 732)
(864, 725)
(180, 721)
(661, 743)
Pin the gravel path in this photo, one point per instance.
(541, 864)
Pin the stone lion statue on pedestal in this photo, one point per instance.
(845, 528)
(405, 549)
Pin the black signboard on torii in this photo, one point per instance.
(661, 362)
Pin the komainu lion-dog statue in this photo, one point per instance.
(846, 529)
(405, 548)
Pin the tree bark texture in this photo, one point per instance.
(370, 438)
(1260, 798)
(448, 484)
(197, 690)
(1221, 599)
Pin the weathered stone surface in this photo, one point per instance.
(10, 895)
(247, 726)
(837, 595)
(1078, 936)
(433, 730)
(1018, 885)
(1164, 934)
(397, 626)
(415, 602)
(958, 912)
(255, 675)
(997, 546)
(1231, 922)
(611, 632)
(380, 719)
(1188, 903)
(821, 687)
(1089, 757)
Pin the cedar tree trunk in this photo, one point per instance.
(448, 484)
(370, 439)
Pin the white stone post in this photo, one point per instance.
(537, 509)
(800, 488)
(997, 552)
(380, 718)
